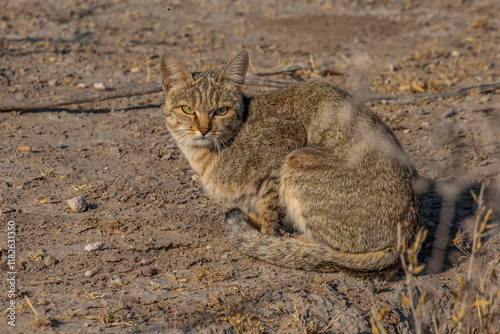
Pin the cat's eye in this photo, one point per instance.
(221, 111)
(188, 110)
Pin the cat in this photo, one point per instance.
(307, 155)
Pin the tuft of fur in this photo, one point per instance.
(307, 155)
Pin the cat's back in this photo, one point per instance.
(297, 100)
(329, 114)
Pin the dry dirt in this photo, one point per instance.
(165, 265)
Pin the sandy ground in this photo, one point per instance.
(164, 265)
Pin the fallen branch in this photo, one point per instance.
(108, 94)
(256, 80)
(259, 79)
(287, 69)
(481, 88)
(80, 97)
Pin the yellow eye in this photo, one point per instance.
(188, 110)
(221, 111)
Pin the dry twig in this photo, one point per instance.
(259, 79)
(412, 267)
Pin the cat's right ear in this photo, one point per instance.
(173, 71)
(235, 70)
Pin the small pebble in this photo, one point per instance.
(406, 131)
(93, 246)
(146, 262)
(49, 261)
(167, 156)
(149, 271)
(135, 69)
(99, 85)
(81, 85)
(117, 280)
(52, 82)
(25, 148)
(77, 204)
(451, 113)
(90, 273)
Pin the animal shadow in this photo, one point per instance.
(449, 209)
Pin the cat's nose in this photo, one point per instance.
(204, 131)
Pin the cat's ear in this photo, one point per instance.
(173, 71)
(236, 69)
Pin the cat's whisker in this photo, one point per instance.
(182, 144)
(218, 148)
(225, 147)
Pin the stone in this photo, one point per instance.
(90, 273)
(93, 246)
(77, 204)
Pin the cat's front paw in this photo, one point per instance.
(268, 229)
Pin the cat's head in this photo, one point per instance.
(203, 109)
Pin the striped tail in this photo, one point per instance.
(296, 254)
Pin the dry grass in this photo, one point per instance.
(52, 173)
(475, 293)
(36, 255)
(301, 322)
(412, 267)
(376, 318)
(112, 317)
(89, 187)
(207, 275)
(430, 71)
(247, 312)
(237, 308)
(463, 242)
(40, 320)
(476, 302)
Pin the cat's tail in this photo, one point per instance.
(297, 254)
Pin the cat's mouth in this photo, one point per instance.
(203, 142)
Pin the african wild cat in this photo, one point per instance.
(305, 154)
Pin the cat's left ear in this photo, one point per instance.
(173, 71)
(236, 69)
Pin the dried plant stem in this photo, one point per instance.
(30, 305)
(409, 292)
(476, 236)
(411, 267)
(481, 229)
(376, 317)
